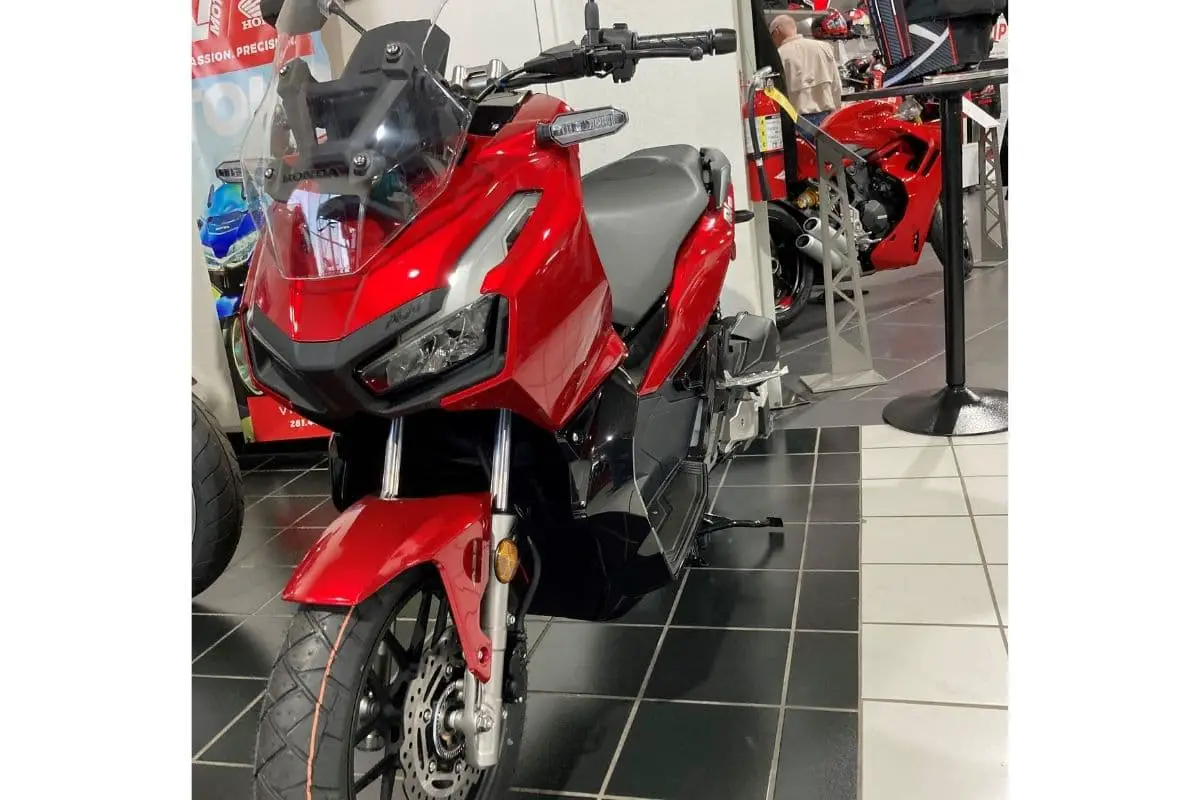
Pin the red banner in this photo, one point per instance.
(229, 35)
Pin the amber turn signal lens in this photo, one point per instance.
(507, 561)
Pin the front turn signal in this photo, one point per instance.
(507, 560)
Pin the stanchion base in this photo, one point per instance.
(950, 411)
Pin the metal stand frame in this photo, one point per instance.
(993, 205)
(851, 366)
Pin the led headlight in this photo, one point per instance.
(240, 251)
(439, 345)
(210, 258)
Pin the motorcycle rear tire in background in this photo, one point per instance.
(323, 705)
(792, 272)
(937, 234)
(218, 501)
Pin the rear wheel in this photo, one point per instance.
(792, 272)
(359, 702)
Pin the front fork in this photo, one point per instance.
(482, 715)
(483, 703)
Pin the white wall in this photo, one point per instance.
(669, 101)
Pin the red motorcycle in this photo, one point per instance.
(526, 370)
(895, 190)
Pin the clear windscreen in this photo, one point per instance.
(340, 167)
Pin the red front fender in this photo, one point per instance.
(376, 540)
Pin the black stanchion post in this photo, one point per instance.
(954, 410)
(953, 274)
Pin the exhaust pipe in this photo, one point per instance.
(811, 247)
(812, 226)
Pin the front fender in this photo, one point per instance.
(376, 540)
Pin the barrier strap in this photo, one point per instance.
(780, 98)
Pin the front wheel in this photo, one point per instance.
(792, 272)
(937, 238)
(359, 703)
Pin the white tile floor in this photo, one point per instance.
(934, 616)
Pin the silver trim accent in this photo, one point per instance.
(390, 488)
(753, 378)
(487, 251)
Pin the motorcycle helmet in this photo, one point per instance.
(831, 26)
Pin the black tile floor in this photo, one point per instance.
(739, 683)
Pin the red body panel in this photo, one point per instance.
(894, 143)
(561, 344)
(700, 269)
(376, 540)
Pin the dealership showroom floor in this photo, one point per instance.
(862, 654)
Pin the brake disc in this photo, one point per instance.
(431, 753)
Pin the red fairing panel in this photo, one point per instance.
(870, 124)
(561, 343)
(700, 269)
(903, 245)
(374, 541)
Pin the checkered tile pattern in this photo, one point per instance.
(861, 654)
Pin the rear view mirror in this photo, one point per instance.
(295, 17)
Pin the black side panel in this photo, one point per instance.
(597, 565)
(753, 344)
(642, 341)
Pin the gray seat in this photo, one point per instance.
(640, 209)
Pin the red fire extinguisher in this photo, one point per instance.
(766, 173)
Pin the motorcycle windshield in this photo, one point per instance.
(339, 168)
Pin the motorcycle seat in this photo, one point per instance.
(640, 208)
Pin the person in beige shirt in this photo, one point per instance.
(810, 70)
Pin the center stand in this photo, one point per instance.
(956, 409)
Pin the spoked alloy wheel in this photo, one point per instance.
(360, 704)
(792, 272)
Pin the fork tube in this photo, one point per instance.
(484, 726)
(390, 488)
(501, 457)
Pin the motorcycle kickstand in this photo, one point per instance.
(715, 523)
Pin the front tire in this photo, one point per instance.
(322, 708)
(937, 238)
(792, 272)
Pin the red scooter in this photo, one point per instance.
(895, 192)
(526, 370)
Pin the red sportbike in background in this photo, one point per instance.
(895, 193)
(526, 370)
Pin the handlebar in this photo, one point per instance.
(614, 52)
(711, 42)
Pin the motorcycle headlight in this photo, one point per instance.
(909, 110)
(437, 346)
(241, 250)
(210, 258)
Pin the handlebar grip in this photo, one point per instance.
(724, 41)
(711, 42)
